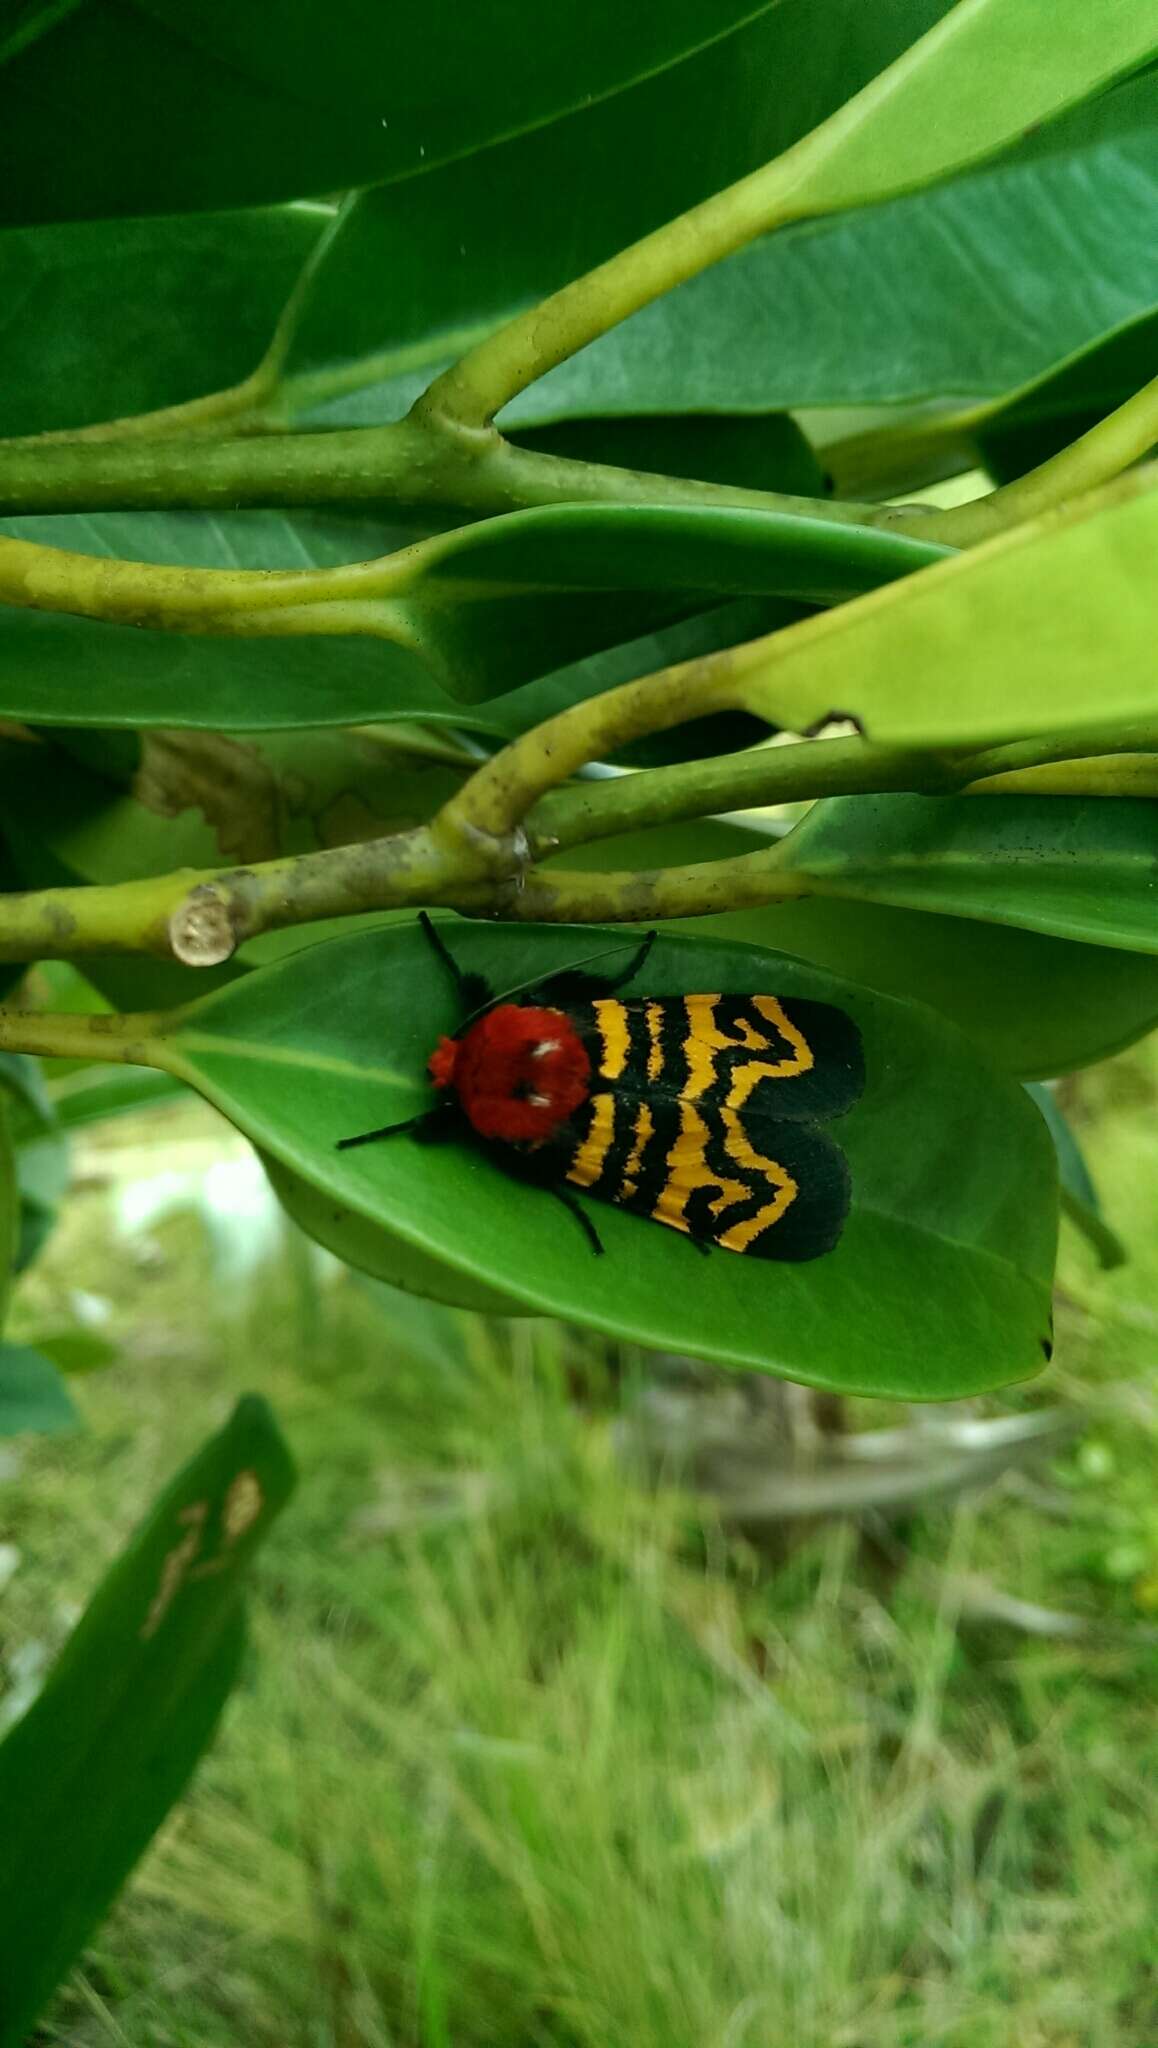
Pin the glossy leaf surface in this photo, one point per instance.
(373, 1248)
(472, 242)
(940, 1283)
(1075, 867)
(979, 81)
(94, 1766)
(1046, 415)
(364, 94)
(484, 644)
(1050, 630)
(1038, 1006)
(967, 290)
(483, 609)
(70, 671)
(199, 295)
(962, 292)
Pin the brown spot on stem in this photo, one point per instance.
(61, 923)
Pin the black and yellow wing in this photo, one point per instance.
(704, 1117)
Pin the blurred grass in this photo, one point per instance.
(529, 1756)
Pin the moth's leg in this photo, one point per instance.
(577, 984)
(428, 1127)
(581, 1218)
(474, 990)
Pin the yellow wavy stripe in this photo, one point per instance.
(643, 1132)
(654, 1015)
(611, 1018)
(588, 1162)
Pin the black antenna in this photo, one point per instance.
(536, 980)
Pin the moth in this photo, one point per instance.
(700, 1112)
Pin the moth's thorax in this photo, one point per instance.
(518, 1072)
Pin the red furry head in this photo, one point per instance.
(518, 1072)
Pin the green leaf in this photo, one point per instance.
(513, 583)
(412, 274)
(1079, 1197)
(42, 1170)
(1005, 436)
(1075, 867)
(934, 296)
(1039, 1006)
(32, 1398)
(67, 671)
(364, 94)
(24, 1079)
(1046, 415)
(93, 1094)
(94, 1766)
(1048, 630)
(725, 625)
(939, 1286)
(199, 296)
(763, 453)
(938, 296)
(977, 82)
(371, 1248)
(1078, 1194)
(486, 607)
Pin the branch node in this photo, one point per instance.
(202, 929)
(478, 849)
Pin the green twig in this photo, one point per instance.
(657, 894)
(413, 464)
(1118, 762)
(838, 165)
(200, 917)
(1115, 444)
(1111, 775)
(760, 777)
(239, 404)
(493, 804)
(134, 1040)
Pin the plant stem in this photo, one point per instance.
(131, 1039)
(1112, 775)
(201, 917)
(1117, 762)
(489, 375)
(399, 463)
(411, 464)
(730, 782)
(1123, 438)
(832, 169)
(240, 404)
(653, 895)
(492, 805)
